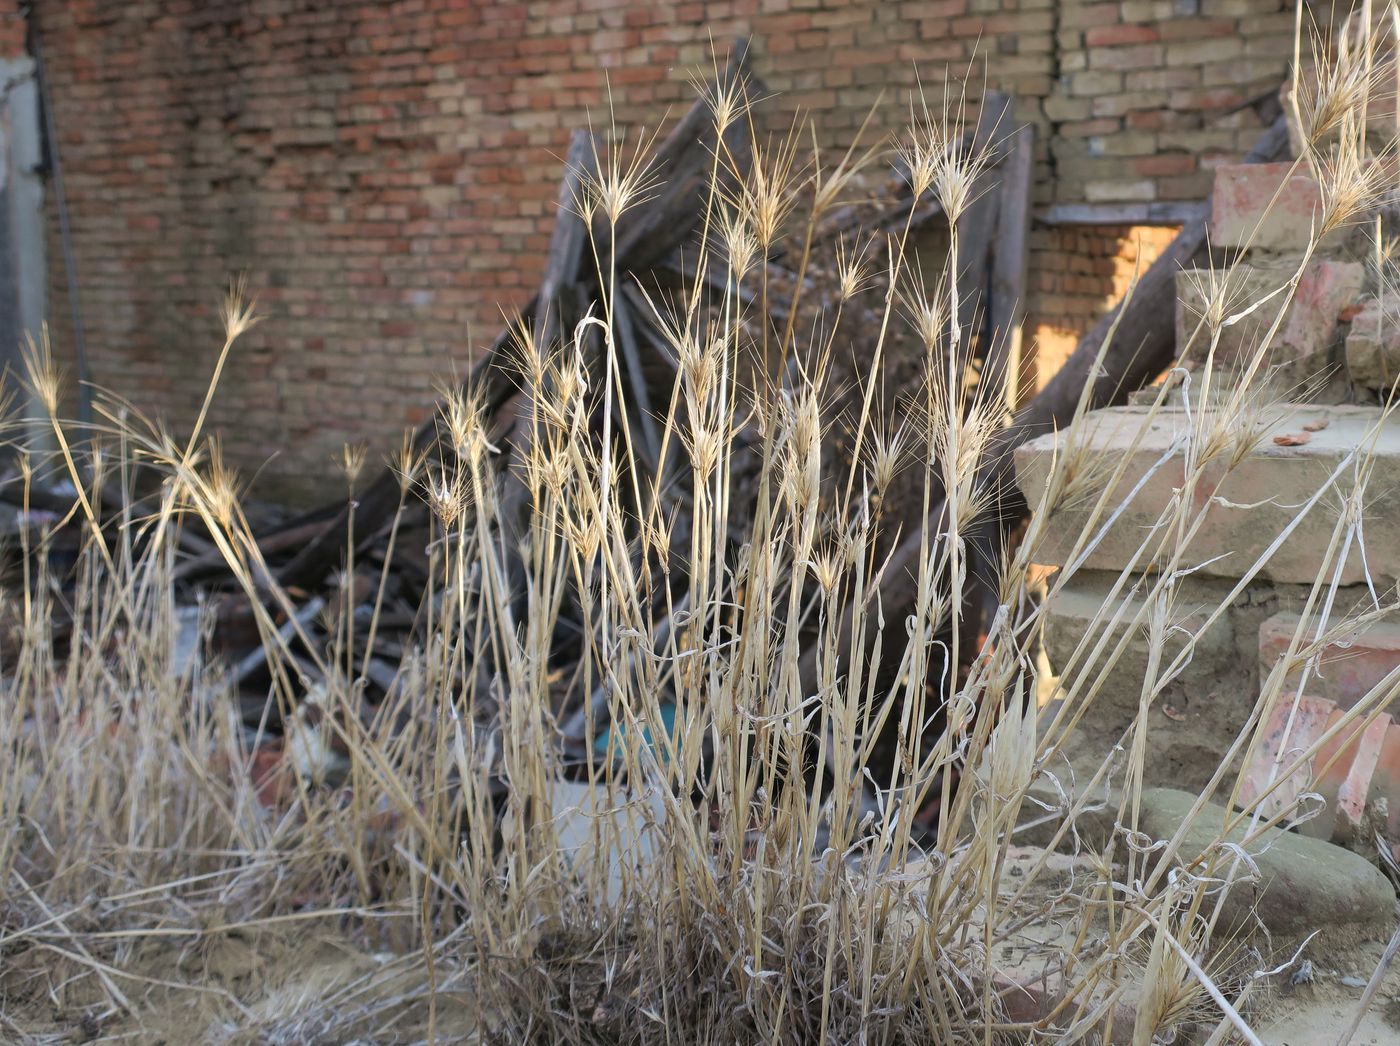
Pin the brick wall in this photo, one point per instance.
(1153, 94)
(11, 29)
(385, 169)
(1086, 270)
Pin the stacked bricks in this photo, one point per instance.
(1273, 212)
(1356, 769)
(1153, 95)
(1250, 497)
(1192, 721)
(385, 171)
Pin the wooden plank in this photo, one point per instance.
(975, 224)
(637, 379)
(1001, 375)
(570, 236)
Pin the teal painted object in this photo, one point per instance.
(668, 720)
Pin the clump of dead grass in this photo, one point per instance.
(755, 873)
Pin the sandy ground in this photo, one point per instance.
(274, 986)
(303, 984)
(1316, 1013)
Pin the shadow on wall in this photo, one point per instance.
(1070, 294)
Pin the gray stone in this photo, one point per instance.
(1305, 884)
(1049, 802)
(625, 825)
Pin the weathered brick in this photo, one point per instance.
(1347, 670)
(1059, 107)
(1214, 98)
(1197, 28)
(1164, 164)
(1120, 191)
(1125, 143)
(1114, 35)
(1373, 346)
(1270, 205)
(1301, 350)
(1128, 101)
(1194, 52)
(1083, 16)
(1147, 10)
(1095, 82)
(1089, 128)
(1162, 79)
(1142, 56)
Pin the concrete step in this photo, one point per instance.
(1247, 506)
(1186, 721)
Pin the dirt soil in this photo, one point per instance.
(1316, 1012)
(291, 985)
(279, 985)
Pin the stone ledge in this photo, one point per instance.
(1258, 498)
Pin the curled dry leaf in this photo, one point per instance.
(1316, 426)
(1292, 439)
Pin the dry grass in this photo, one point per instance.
(709, 892)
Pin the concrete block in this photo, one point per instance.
(1373, 346)
(1248, 504)
(1269, 205)
(1348, 671)
(1195, 710)
(1301, 353)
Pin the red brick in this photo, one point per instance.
(1113, 35)
(1218, 98)
(1164, 163)
(1199, 28)
(1244, 207)
(1349, 670)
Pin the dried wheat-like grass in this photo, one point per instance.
(755, 872)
